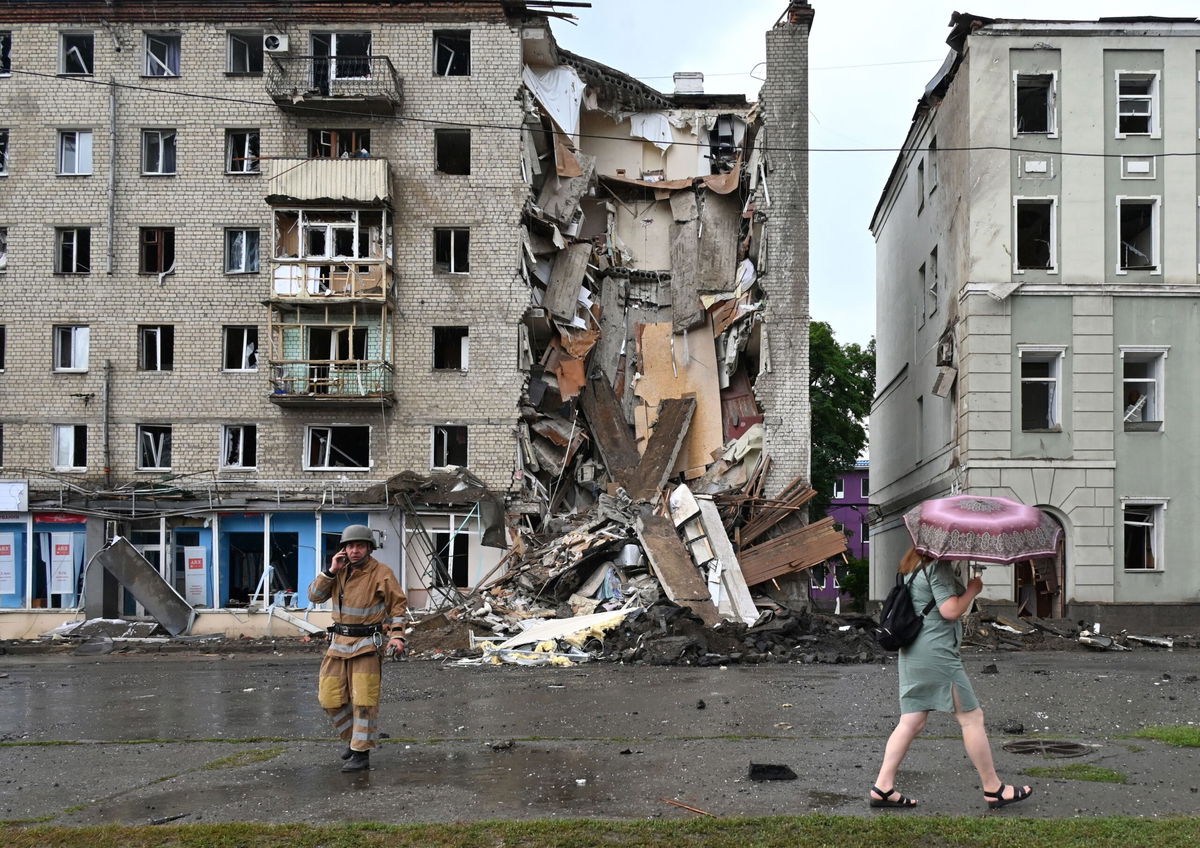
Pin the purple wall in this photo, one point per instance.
(847, 507)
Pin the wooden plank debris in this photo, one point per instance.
(673, 567)
(662, 450)
(562, 293)
(608, 428)
(810, 545)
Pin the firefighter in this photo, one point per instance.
(368, 611)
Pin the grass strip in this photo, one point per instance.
(1077, 771)
(1179, 735)
(818, 831)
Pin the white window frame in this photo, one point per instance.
(3, 249)
(931, 282)
(932, 157)
(240, 158)
(434, 436)
(80, 159)
(60, 244)
(63, 441)
(438, 46)
(1158, 510)
(4, 152)
(247, 255)
(464, 355)
(156, 66)
(1052, 200)
(1155, 202)
(63, 51)
(156, 334)
(335, 36)
(247, 41)
(1154, 97)
(451, 265)
(163, 450)
(864, 487)
(1056, 355)
(247, 355)
(160, 141)
(70, 343)
(312, 431)
(1051, 130)
(1156, 355)
(921, 276)
(233, 437)
(839, 487)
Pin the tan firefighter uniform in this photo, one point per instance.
(348, 683)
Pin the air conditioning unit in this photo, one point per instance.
(275, 42)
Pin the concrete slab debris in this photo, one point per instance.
(142, 580)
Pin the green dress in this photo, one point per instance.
(931, 670)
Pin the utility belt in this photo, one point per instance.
(355, 629)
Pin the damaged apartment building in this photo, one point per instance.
(274, 268)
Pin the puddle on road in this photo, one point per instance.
(521, 778)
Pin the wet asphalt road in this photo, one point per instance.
(205, 738)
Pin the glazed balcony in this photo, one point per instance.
(361, 85)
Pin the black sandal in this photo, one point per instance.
(885, 798)
(996, 799)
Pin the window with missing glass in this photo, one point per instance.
(77, 53)
(1041, 401)
(1142, 524)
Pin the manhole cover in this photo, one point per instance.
(1047, 748)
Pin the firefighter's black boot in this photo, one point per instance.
(359, 761)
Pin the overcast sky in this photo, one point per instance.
(869, 61)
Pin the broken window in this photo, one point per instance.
(1040, 390)
(932, 159)
(3, 153)
(154, 447)
(70, 447)
(1033, 106)
(839, 488)
(245, 52)
(240, 349)
(722, 144)
(78, 53)
(1143, 535)
(158, 152)
(241, 251)
(339, 144)
(157, 255)
(239, 446)
(241, 151)
(452, 52)
(452, 251)
(450, 348)
(452, 151)
(74, 152)
(1137, 104)
(453, 551)
(1141, 383)
(3, 346)
(341, 446)
(337, 343)
(5, 52)
(1035, 234)
(449, 446)
(3, 249)
(920, 186)
(921, 296)
(1137, 244)
(340, 56)
(72, 250)
(71, 347)
(931, 282)
(156, 347)
(162, 54)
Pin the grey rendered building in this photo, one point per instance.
(1037, 297)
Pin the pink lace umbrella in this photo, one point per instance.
(985, 529)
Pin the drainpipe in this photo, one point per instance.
(104, 403)
(112, 186)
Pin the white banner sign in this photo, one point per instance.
(8, 564)
(195, 575)
(62, 563)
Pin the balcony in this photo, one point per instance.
(361, 85)
(362, 182)
(318, 382)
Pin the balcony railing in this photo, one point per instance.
(366, 84)
(319, 381)
(324, 280)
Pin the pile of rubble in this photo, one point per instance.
(999, 632)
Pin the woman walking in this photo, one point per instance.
(932, 678)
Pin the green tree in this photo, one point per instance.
(841, 387)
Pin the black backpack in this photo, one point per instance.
(899, 623)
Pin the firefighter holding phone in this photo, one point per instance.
(368, 612)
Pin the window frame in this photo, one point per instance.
(226, 339)
(839, 488)
(254, 46)
(63, 52)
(165, 446)
(6, 41)
(450, 265)
(864, 487)
(3, 250)
(4, 141)
(1154, 201)
(228, 431)
(438, 35)
(1156, 357)
(464, 349)
(59, 447)
(250, 161)
(1157, 507)
(152, 61)
(79, 338)
(165, 151)
(1055, 355)
(443, 135)
(248, 253)
(1153, 96)
(78, 135)
(1035, 200)
(1051, 130)
(310, 432)
(445, 449)
(931, 293)
(164, 249)
(356, 139)
(60, 245)
(163, 357)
